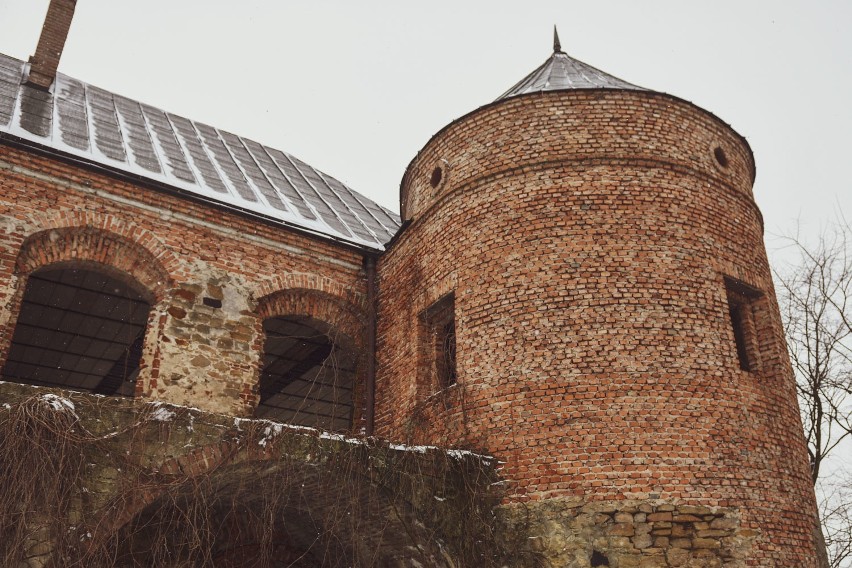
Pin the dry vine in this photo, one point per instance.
(77, 490)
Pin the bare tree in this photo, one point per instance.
(816, 304)
(815, 296)
(835, 511)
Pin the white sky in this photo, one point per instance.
(357, 88)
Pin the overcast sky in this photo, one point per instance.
(357, 88)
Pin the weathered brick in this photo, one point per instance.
(586, 237)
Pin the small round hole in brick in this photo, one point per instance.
(437, 176)
(721, 157)
(599, 559)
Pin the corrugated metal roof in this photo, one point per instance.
(110, 130)
(563, 72)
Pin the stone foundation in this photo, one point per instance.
(570, 533)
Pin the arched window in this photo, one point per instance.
(80, 326)
(307, 374)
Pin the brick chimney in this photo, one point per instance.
(51, 43)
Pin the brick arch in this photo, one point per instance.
(94, 246)
(341, 316)
(109, 224)
(334, 310)
(198, 461)
(309, 281)
(387, 530)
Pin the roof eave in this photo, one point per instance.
(118, 173)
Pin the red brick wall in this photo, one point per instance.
(52, 42)
(181, 252)
(586, 236)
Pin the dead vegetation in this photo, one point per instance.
(92, 481)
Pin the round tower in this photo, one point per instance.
(582, 290)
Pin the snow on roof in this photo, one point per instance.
(101, 127)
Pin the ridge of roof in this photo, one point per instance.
(110, 130)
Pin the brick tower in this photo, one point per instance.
(582, 290)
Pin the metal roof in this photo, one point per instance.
(113, 131)
(563, 72)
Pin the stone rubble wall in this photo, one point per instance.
(572, 534)
(385, 504)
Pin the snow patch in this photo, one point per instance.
(461, 454)
(161, 413)
(269, 433)
(415, 449)
(340, 438)
(58, 403)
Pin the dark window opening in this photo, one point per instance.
(721, 157)
(307, 374)
(741, 299)
(437, 176)
(737, 322)
(441, 335)
(81, 329)
(599, 559)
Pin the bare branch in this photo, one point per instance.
(815, 296)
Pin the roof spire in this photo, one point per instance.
(561, 72)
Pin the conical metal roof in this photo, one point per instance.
(561, 72)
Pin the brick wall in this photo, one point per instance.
(588, 237)
(57, 22)
(591, 242)
(180, 252)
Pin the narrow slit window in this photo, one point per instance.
(737, 312)
(441, 338)
(741, 307)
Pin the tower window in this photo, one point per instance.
(440, 322)
(721, 157)
(741, 303)
(436, 177)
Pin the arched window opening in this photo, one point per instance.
(307, 374)
(80, 328)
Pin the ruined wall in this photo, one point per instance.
(593, 241)
(206, 268)
(163, 485)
